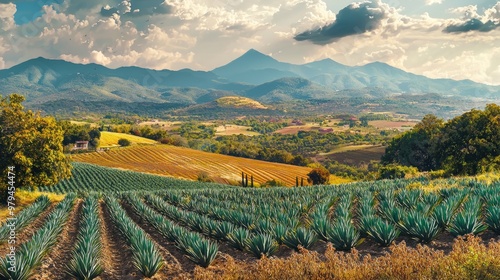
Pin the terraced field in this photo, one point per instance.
(187, 163)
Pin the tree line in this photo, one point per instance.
(468, 144)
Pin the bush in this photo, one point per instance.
(124, 142)
(203, 176)
(273, 183)
(319, 176)
(394, 171)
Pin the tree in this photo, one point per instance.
(124, 142)
(416, 147)
(319, 176)
(32, 145)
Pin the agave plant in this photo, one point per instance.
(365, 223)
(239, 238)
(279, 232)
(86, 260)
(321, 227)
(420, 227)
(302, 236)
(222, 230)
(146, 256)
(262, 245)
(382, 232)
(493, 218)
(466, 223)
(202, 252)
(443, 214)
(343, 235)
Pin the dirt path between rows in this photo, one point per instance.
(116, 255)
(26, 233)
(54, 264)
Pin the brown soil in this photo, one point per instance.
(54, 264)
(116, 255)
(177, 265)
(26, 233)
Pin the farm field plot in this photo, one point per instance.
(231, 129)
(110, 139)
(400, 125)
(193, 232)
(355, 155)
(187, 163)
(94, 178)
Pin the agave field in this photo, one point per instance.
(162, 228)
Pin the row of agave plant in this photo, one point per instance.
(254, 241)
(146, 255)
(197, 248)
(30, 254)
(86, 261)
(396, 211)
(26, 216)
(257, 236)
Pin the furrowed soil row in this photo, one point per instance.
(116, 255)
(54, 264)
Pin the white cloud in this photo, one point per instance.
(204, 34)
(432, 2)
(7, 12)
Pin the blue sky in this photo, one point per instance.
(456, 39)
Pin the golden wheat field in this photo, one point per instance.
(188, 163)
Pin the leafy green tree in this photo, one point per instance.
(470, 143)
(124, 142)
(31, 144)
(319, 176)
(416, 147)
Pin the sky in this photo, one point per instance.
(457, 39)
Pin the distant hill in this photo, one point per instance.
(239, 102)
(52, 85)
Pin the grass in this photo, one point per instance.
(110, 139)
(188, 163)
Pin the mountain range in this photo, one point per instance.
(253, 75)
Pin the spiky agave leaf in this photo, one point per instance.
(222, 230)
(343, 235)
(466, 223)
(279, 232)
(302, 236)
(420, 227)
(443, 214)
(382, 232)
(321, 227)
(146, 256)
(202, 252)
(239, 238)
(262, 245)
(493, 218)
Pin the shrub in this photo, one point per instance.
(319, 176)
(394, 171)
(124, 142)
